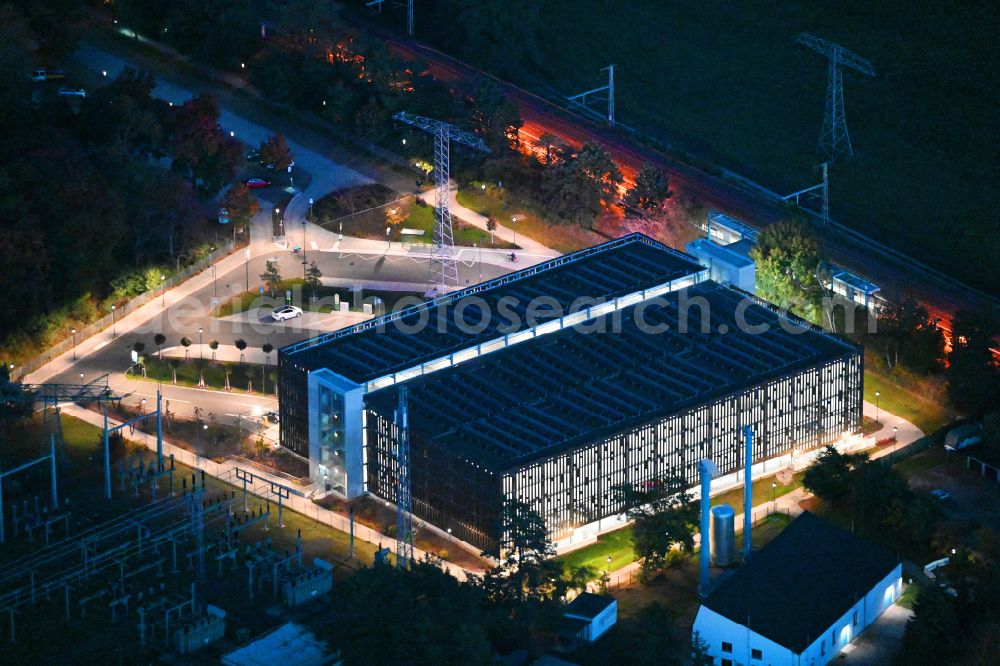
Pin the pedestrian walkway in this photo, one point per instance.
(261, 487)
(475, 219)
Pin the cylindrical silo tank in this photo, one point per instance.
(723, 535)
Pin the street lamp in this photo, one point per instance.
(892, 455)
(143, 404)
(774, 497)
(877, 394)
(114, 330)
(201, 347)
(163, 290)
(388, 243)
(513, 221)
(73, 331)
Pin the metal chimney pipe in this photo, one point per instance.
(707, 470)
(747, 490)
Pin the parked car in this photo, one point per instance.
(252, 156)
(941, 494)
(286, 312)
(256, 183)
(72, 92)
(272, 417)
(962, 436)
(43, 74)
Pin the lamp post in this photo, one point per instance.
(877, 394)
(774, 497)
(892, 455)
(513, 222)
(281, 222)
(163, 290)
(114, 330)
(201, 347)
(388, 243)
(73, 331)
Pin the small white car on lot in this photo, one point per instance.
(286, 312)
(72, 92)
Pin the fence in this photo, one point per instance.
(983, 467)
(261, 487)
(903, 452)
(92, 329)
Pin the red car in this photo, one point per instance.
(256, 183)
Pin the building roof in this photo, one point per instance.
(573, 386)
(388, 344)
(798, 585)
(588, 605)
(722, 253)
(290, 645)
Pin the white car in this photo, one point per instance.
(72, 92)
(286, 312)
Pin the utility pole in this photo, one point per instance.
(445, 269)
(409, 17)
(834, 140)
(581, 99)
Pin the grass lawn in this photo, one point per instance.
(560, 237)
(189, 372)
(908, 596)
(932, 457)
(760, 492)
(617, 544)
(926, 415)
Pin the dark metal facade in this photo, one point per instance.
(804, 411)
(447, 490)
(293, 396)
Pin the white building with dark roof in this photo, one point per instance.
(800, 599)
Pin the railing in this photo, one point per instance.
(63, 346)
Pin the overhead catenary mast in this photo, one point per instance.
(444, 267)
(834, 140)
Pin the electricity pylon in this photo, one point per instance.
(834, 140)
(404, 485)
(445, 269)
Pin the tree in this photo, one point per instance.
(650, 192)
(159, 339)
(241, 204)
(787, 256)
(186, 342)
(665, 518)
(699, 651)
(973, 375)
(241, 344)
(491, 226)
(267, 348)
(371, 120)
(525, 572)
(138, 347)
(495, 117)
(276, 151)
(313, 277)
(596, 163)
(829, 477)
(214, 346)
(905, 334)
(510, 27)
(271, 276)
(932, 635)
(201, 151)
